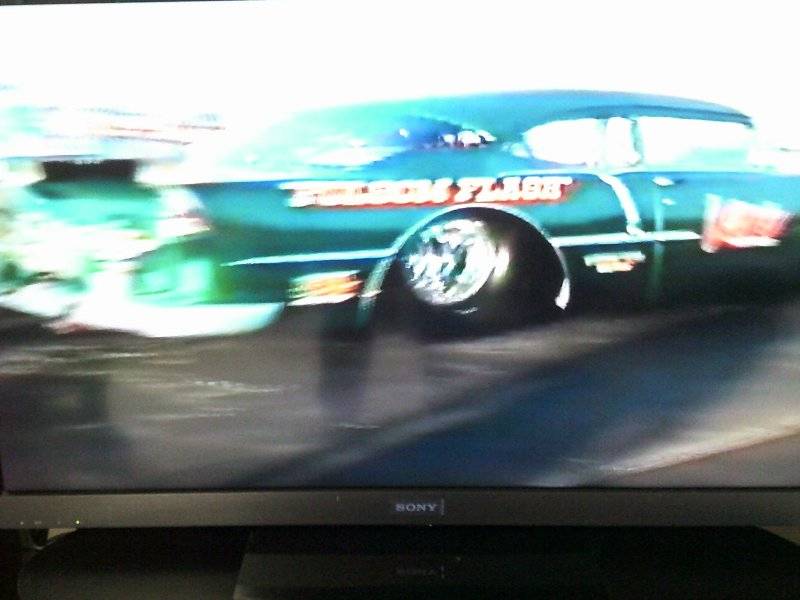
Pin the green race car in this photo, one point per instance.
(476, 211)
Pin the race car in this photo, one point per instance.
(477, 210)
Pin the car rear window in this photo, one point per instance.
(673, 141)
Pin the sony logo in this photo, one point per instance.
(419, 507)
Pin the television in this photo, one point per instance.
(350, 262)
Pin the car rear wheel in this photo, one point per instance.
(473, 271)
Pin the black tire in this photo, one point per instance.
(519, 289)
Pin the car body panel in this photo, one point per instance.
(620, 233)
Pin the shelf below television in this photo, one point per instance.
(387, 562)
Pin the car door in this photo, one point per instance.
(722, 223)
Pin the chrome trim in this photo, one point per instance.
(320, 300)
(313, 257)
(623, 238)
(632, 217)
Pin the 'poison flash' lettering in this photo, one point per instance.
(427, 192)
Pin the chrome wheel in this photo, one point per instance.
(449, 262)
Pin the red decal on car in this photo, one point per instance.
(737, 224)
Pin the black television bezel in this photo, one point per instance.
(495, 506)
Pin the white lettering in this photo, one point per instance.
(470, 187)
(416, 507)
(332, 194)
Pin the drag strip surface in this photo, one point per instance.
(590, 399)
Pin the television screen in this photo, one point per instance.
(340, 245)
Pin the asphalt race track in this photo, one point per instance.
(680, 396)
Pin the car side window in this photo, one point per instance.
(694, 143)
(346, 139)
(588, 142)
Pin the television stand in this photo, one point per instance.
(385, 562)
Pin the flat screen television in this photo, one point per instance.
(318, 262)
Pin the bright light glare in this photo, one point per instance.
(261, 59)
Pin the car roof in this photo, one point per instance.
(510, 113)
